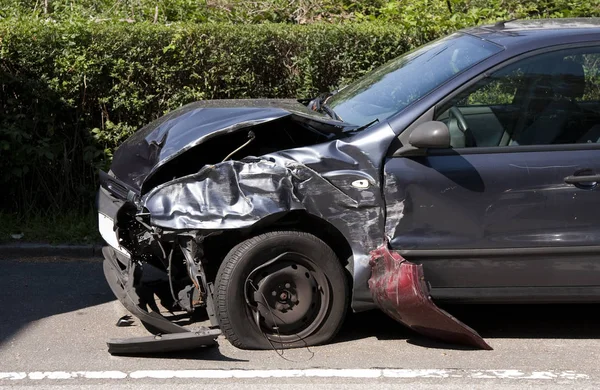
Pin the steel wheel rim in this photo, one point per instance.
(289, 297)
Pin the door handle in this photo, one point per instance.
(582, 179)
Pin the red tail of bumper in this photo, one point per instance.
(399, 289)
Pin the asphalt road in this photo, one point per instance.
(56, 315)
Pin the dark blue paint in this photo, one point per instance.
(497, 201)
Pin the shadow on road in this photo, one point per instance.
(490, 321)
(32, 290)
(36, 289)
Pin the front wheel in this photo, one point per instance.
(282, 289)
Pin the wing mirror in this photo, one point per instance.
(430, 135)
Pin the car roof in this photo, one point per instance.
(537, 33)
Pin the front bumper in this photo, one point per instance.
(108, 205)
(121, 271)
(124, 276)
(123, 282)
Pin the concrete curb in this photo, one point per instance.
(27, 249)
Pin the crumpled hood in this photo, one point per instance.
(138, 158)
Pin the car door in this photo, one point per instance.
(519, 217)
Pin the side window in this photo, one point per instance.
(551, 98)
(500, 89)
(591, 70)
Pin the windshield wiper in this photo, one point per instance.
(361, 128)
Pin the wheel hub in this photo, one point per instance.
(286, 297)
(291, 297)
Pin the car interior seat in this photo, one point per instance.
(553, 111)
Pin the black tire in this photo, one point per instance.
(322, 305)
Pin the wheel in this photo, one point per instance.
(283, 289)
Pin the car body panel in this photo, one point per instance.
(472, 202)
(487, 192)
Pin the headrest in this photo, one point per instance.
(568, 79)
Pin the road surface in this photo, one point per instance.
(57, 313)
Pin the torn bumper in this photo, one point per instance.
(122, 283)
(164, 343)
(111, 196)
(399, 289)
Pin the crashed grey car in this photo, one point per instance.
(447, 174)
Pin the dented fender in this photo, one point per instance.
(318, 180)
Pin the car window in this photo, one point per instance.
(396, 84)
(551, 98)
(591, 68)
(496, 91)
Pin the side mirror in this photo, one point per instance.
(430, 135)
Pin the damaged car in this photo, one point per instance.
(463, 171)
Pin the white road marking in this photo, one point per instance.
(372, 373)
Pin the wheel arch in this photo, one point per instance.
(217, 247)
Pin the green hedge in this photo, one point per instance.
(410, 12)
(70, 92)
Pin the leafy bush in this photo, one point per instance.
(434, 17)
(215, 11)
(429, 14)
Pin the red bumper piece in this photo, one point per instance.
(399, 289)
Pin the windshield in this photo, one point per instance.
(393, 86)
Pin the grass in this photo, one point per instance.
(63, 228)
